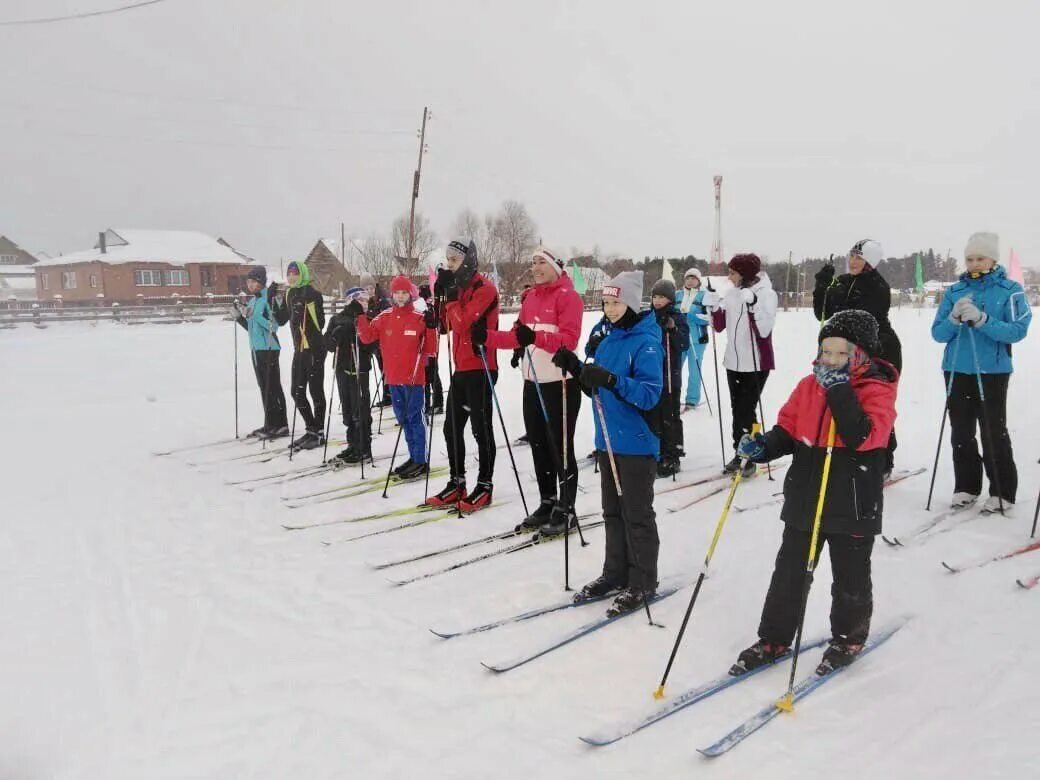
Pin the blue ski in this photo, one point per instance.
(612, 734)
(803, 689)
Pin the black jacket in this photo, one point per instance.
(341, 333)
(675, 341)
(304, 309)
(869, 292)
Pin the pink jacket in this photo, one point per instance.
(553, 311)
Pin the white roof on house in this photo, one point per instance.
(178, 247)
(17, 270)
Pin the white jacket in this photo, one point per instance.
(742, 350)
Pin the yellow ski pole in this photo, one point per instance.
(786, 702)
(659, 693)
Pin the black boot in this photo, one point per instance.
(413, 470)
(559, 521)
(597, 589)
(538, 517)
(628, 600)
(667, 467)
(403, 467)
(836, 656)
(759, 654)
(732, 466)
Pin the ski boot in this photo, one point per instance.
(413, 471)
(629, 600)
(963, 500)
(559, 521)
(759, 654)
(837, 656)
(403, 467)
(277, 433)
(478, 499)
(732, 466)
(259, 433)
(748, 470)
(538, 517)
(997, 506)
(453, 493)
(597, 589)
(668, 467)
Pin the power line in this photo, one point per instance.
(83, 15)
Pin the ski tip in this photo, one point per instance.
(710, 752)
(594, 741)
(327, 543)
(397, 583)
(492, 668)
(443, 634)
(949, 568)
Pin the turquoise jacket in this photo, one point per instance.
(261, 324)
(697, 316)
(1008, 317)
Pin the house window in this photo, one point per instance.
(93, 281)
(206, 272)
(68, 280)
(45, 282)
(144, 277)
(8, 259)
(177, 278)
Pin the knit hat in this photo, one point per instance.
(628, 287)
(402, 284)
(258, 274)
(457, 247)
(664, 288)
(747, 266)
(354, 294)
(550, 258)
(869, 250)
(983, 245)
(692, 272)
(302, 270)
(854, 325)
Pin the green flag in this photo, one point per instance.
(918, 274)
(578, 278)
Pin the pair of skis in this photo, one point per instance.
(359, 488)
(978, 563)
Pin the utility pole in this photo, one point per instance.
(343, 245)
(716, 243)
(415, 185)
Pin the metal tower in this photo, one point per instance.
(716, 243)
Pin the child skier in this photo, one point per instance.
(747, 311)
(304, 309)
(258, 318)
(406, 340)
(624, 382)
(855, 391)
(980, 317)
(676, 341)
(691, 304)
(353, 365)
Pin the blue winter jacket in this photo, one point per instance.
(1008, 316)
(697, 317)
(634, 356)
(260, 323)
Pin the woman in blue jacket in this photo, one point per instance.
(690, 300)
(980, 317)
(626, 378)
(257, 317)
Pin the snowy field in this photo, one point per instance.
(159, 623)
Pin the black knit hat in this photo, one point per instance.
(665, 288)
(853, 325)
(258, 274)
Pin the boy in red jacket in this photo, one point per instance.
(406, 339)
(857, 390)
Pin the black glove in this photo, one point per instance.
(594, 341)
(431, 319)
(354, 309)
(668, 323)
(524, 335)
(593, 376)
(272, 289)
(518, 355)
(478, 332)
(445, 281)
(825, 275)
(567, 361)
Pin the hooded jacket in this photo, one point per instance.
(553, 311)
(1008, 317)
(478, 299)
(304, 310)
(402, 335)
(260, 323)
(749, 346)
(340, 334)
(633, 355)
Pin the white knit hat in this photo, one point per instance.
(692, 272)
(628, 287)
(869, 250)
(550, 258)
(983, 245)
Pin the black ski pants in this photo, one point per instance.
(547, 440)
(968, 412)
(852, 597)
(356, 401)
(670, 424)
(308, 373)
(632, 565)
(434, 389)
(469, 398)
(269, 379)
(745, 388)
(385, 399)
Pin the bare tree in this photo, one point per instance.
(512, 276)
(469, 226)
(425, 243)
(516, 232)
(377, 256)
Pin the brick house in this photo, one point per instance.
(17, 279)
(125, 264)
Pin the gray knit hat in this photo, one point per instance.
(628, 286)
(665, 288)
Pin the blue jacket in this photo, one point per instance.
(634, 356)
(1008, 316)
(260, 323)
(697, 316)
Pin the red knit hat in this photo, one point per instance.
(402, 284)
(748, 266)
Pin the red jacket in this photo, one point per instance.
(480, 298)
(553, 311)
(401, 332)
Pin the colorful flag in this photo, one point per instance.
(1015, 269)
(578, 278)
(918, 274)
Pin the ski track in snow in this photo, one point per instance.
(161, 624)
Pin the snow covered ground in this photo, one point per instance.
(161, 623)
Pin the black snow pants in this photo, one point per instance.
(434, 389)
(308, 373)
(543, 441)
(269, 379)
(469, 398)
(967, 412)
(357, 412)
(745, 388)
(635, 566)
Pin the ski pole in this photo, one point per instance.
(668, 368)
(400, 428)
(752, 327)
(429, 446)
(361, 430)
(987, 430)
(659, 693)
(332, 389)
(234, 325)
(382, 381)
(1036, 514)
(700, 375)
(621, 502)
(292, 433)
(946, 411)
(509, 448)
(718, 391)
(786, 702)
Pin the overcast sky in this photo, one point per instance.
(269, 123)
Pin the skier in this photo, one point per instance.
(406, 338)
(856, 391)
(863, 287)
(549, 320)
(691, 304)
(748, 311)
(980, 317)
(468, 303)
(352, 369)
(303, 308)
(626, 378)
(258, 318)
(676, 341)
(434, 390)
